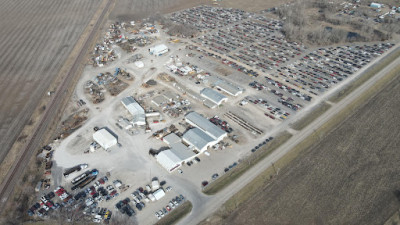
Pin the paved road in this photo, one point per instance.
(50, 114)
(203, 209)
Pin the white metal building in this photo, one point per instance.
(158, 49)
(105, 138)
(168, 160)
(195, 119)
(139, 116)
(213, 95)
(173, 158)
(197, 138)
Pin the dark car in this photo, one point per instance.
(129, 211)
(50, 195)
(197, 159)
(204, 183)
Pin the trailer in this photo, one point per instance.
(79, 178)
(76, 168)
(84, 182)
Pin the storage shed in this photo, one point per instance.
(105, 138)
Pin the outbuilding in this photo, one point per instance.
(159, 194)
(104, 138)
(158, 49)
(139, 116)
(376, 5)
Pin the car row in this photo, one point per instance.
(175, 202)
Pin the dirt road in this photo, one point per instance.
(202, 209)
(53, 107)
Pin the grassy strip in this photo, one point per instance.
(175, 215)
(366, 76)
(261, 181)
(317, 111)
(246, 164)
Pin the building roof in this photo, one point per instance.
(104, 138)
(168, 160)
(228, 88)
(182, 151)
(135, 109)
(205, 125)
(159, 48)
(223, 85)
(159, 194)
(171, 138)
(210, 104)
(213, 95)
(197, 138)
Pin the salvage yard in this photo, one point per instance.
(156, 119)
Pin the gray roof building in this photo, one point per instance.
(171, 138)
(205, 125)
(213, 95)
(182, 151)
(200, 140)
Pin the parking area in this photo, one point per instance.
(207, 17)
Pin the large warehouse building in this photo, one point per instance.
(204, 135)
(195, 119)
(139, 116)
(104, 138)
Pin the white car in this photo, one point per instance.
(45, 207)
(171, 205)
(96, 220)
(180, 171)
(158, 215)
(169, 188)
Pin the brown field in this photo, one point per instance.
(348, 178)
(37, 36)
(138, 9)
